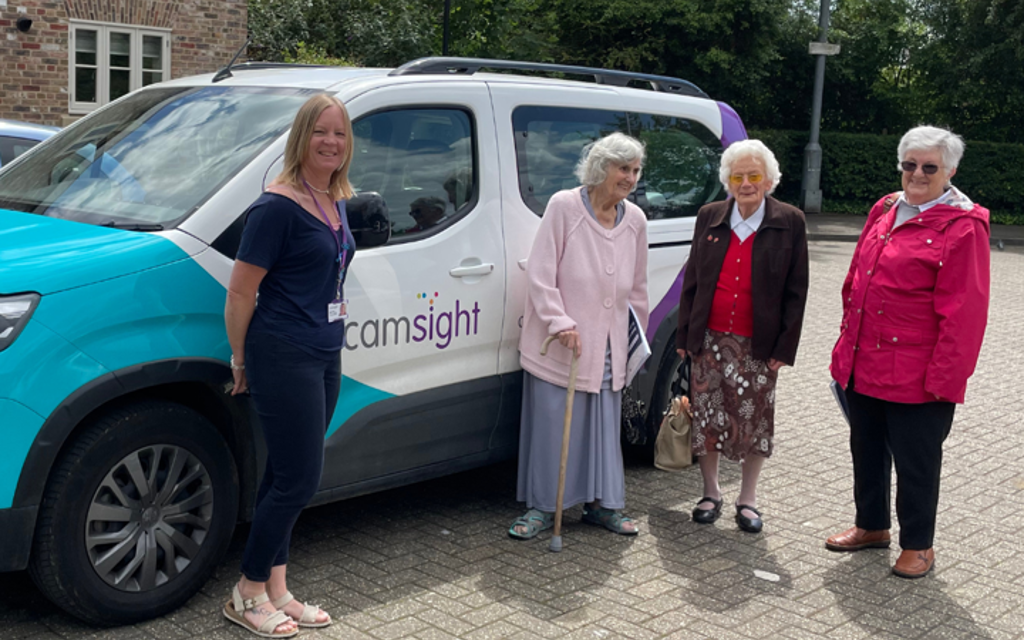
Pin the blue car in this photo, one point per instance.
(18, 137)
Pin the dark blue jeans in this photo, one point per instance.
(294, 394)
(911, 435)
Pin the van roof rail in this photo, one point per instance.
(469, 66)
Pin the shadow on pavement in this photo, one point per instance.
(880, 603)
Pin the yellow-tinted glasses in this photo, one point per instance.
(752, 178)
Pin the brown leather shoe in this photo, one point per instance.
(914, 563)
(855, 539)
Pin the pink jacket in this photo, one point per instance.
(582, 276)
(915, 303)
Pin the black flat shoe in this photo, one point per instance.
(707, 516)
(750, 525)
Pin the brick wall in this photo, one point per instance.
(34, 65)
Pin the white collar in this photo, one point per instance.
(754, 221)
(926, 206)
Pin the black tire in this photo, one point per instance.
(137, 513)
(673, 380)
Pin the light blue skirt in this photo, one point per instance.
(594, 470)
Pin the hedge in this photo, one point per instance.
(859, 168)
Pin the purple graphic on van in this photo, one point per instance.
(732, 126)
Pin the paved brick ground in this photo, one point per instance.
(433, 562)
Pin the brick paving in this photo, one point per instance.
(432, 562)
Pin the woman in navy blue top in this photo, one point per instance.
(286, 350)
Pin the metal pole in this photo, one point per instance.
(810, 189)
(447, 34)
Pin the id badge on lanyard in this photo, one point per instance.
(337, 309)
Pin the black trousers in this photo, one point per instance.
(294, 394)
(882, 432)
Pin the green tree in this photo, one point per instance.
(276, 26)
(972, 67)
(870, 87)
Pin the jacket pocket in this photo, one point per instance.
(896, 337)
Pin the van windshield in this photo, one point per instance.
(148, 161)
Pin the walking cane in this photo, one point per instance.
(556, 539)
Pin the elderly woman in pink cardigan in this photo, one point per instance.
(587, 266)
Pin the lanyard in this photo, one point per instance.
(342, 246)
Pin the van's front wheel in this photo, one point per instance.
(136, 515)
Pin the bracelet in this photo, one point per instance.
(236, 367)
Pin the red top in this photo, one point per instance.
(732, 310)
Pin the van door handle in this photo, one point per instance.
(522, 264)
(474, 270)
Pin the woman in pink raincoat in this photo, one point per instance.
(915, 304)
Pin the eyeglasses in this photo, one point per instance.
(752, 178)
(911, 167)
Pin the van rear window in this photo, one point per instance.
(679, 177)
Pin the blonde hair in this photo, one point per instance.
(297, 147)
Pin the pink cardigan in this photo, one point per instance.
(582, 276)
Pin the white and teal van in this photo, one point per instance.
(125, 464)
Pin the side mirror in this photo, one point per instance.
(368, 219)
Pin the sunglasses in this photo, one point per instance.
(752, 178)
(911, 167)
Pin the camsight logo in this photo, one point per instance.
(439, 328)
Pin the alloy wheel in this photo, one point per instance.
(149, 518)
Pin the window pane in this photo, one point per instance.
(548, 145)
(120, 83)
(85, 46)
(681, 172)
(421, 161)
(152, 52)
(85, 85)
(149, 77)
(120, 50)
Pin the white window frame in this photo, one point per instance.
(103, 31)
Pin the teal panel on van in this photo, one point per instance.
(354, 397)
(19, 426)
(39, 370)
(170, 311)
(43, 254)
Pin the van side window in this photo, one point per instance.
(681, 172)
(548, 145)
(422, 161)
(679, 177)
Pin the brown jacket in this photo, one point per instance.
(779, 285)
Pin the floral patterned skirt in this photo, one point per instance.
(733, 399)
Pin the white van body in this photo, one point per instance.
(120, 235)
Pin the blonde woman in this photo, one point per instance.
(295, 250)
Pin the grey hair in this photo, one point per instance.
(592, 169)
(750, 149)
(925, 138)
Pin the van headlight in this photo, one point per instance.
(14, 314)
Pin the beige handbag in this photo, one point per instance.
(672, 449)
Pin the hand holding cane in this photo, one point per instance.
(556, 539)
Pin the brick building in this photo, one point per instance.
(60, 59)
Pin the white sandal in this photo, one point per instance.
(309, 611)
(234, 610)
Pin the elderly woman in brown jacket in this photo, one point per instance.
(740, 315)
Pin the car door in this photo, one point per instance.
(420, 361)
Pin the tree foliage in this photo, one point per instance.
(958, 63)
